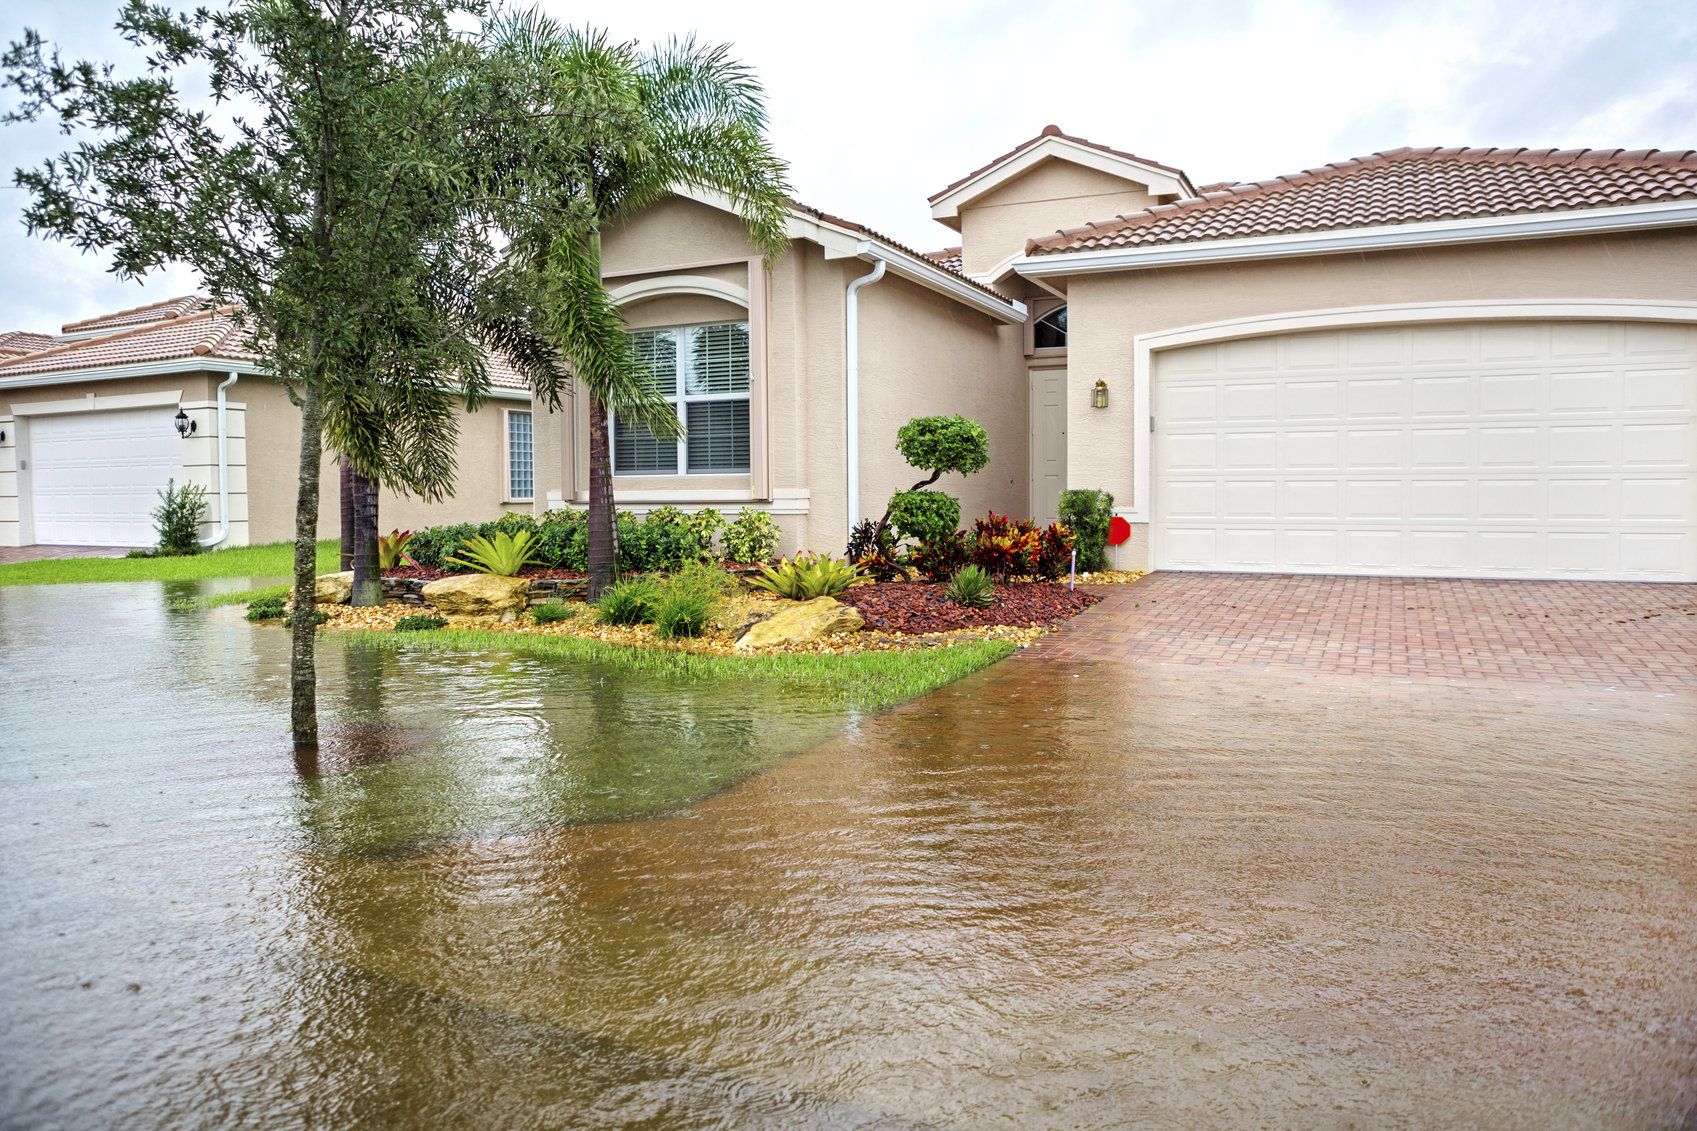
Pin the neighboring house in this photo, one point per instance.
(1475, 363)
(89, 435)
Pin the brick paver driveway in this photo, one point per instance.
(10, 554)
(1576, 634)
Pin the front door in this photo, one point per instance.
(1048, 442)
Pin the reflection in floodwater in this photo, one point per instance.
(1048, 895)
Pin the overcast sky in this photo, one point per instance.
(879, 103)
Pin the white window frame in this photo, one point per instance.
(1038, 313)
(680, 401)
(507, 495)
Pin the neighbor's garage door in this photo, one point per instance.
(1532, 450)
(97, 475)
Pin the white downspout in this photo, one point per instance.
(852, 352)
(223, 466)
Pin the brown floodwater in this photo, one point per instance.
(524, 894)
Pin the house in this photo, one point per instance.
(89, 435)
(1428, 362)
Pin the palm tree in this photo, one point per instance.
(623, 129)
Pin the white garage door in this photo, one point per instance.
(1524, 449)
(97, 475)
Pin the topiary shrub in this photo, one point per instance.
(1087, 513)
(551, 612)
(944, 443)
(972, 589)
(751, 538)
(941, 558)
(632, 601)
(178, 516)
(419, 623)
(924, 516)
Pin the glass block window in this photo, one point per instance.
(1050, 332)
(521, 462)
(703, 371)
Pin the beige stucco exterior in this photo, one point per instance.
(1051, 196)
(1109, 313)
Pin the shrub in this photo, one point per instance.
(430, 547)
(178, 516)
(1054, 552)
(944, 443)
(515, 522)
(683, 612)
(924, 516)
(1004, 546)
(563, 540)
(662, 541)
(1087, 513)
(706, 524)
(631, 601)
(392, 549)
(265, 608)
(807, 577)
(419, 623)
(504, 554)
(551, 612)
(972, 589)
(940, 559)
(873, 549)
(752, 537)
(319, 616)
(702, 578)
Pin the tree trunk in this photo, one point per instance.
(303, 673)
(347, 512)
(603, 528)
(368, 578)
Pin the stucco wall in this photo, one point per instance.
(1053, 195)
(1109, 312)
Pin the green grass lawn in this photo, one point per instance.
(276, 559)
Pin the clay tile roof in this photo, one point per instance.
(1054, 131)
(14, 343)
(212, 333)
(502, 375)
(1401, 186)
(855, 226)
(948, 259)
(152, 312)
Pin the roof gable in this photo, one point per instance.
(1053, 145)
(1401, 186)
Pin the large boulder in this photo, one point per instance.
(802, 622)
(478, 595)
(333, 588)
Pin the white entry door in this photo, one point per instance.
(1048, 442)
(97, 475)
(1558, 449)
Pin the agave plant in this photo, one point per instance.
(807, 576)
(505, 555)
(972, 589)
(392, 549)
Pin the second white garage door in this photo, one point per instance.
(1524, 449)
(97, 475)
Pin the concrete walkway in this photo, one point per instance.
(1574, 634)
(10, 554)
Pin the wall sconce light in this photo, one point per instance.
(2, 435)
(185, 426)
(1099, 395)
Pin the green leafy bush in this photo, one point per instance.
(563, 540)
(552, 612)
(944, 443)
(632, 601)
(751, 538)
(515, 522)
(942, 558)
(972, 589)
(807, 576)
(504, 554)
(319, 616)
(419, 623)
(265, 608)
(707, 524)
(661, 541)
(430, 547)
(178, 516)
(1053, 556)
(1087, 513)
(924, 516)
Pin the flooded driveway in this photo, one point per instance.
(1065, 892)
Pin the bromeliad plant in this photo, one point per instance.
(504, 554)
(392, 550)
(807, 576)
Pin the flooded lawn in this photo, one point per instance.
(1049, 895)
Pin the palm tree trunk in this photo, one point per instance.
(347, 513)
(303, 672)
(603, 528)
(368, 579)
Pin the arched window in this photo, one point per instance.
(1050, 331)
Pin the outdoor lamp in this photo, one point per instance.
(1099, 396)
(185, 426)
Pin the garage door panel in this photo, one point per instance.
(1535, 449)
(96, 476)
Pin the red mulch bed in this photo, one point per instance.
(419, 573)
(923, 606)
